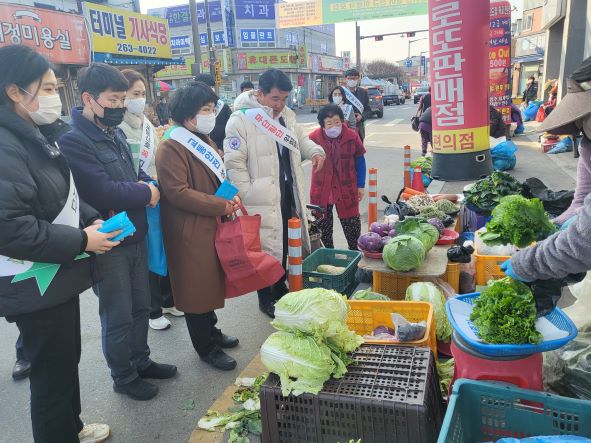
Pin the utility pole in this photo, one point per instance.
(195, 67)
(358, 46)
(209, 40)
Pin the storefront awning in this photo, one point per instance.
(528, 58)
(114, 59)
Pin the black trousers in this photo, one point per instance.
(51, 342)
(202, 331)
(271, 294)
(351, 229)
(160, 294)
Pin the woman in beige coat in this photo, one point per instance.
(189, 212)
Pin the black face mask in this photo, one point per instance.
(111, 116)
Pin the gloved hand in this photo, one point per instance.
(567, 223)
(509, 272)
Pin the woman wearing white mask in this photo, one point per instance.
(338, 97)
(140, 132)
(42, 220)
(189, 210)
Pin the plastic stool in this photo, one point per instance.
(525, 372)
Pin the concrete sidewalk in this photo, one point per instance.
(557, 171)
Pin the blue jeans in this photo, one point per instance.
(124, 308)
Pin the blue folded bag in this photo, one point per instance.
(156, 253)
(118, 222)
(226, 190)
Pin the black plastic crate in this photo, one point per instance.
(389, 395)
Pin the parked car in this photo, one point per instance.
(396, 96)
(423, 90)
(376, 101)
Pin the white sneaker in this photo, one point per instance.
(173, 311)
(94, 433)
(160, 324)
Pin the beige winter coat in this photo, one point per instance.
(252, 163)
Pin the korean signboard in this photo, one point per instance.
(255, 9)
(117, 31)
(318, 12)
(218, 38)
(257, 35)
(500, 58)
(248, 61)
(180, 42)
(179, 71)
(180, 15)
(59, 36)
(459, 76)
(326, 63)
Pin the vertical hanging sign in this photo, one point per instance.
(500, 58)
(459, 77)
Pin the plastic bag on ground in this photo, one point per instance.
(564, 145)
(407, 331)
(530, 112)
(482, 249)
(567, 371)
(503, 156)
(555, 203)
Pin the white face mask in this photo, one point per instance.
(205, 123)
(337, 99)
(50, 109)
(351, 83)
(135, 105)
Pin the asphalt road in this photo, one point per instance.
(173, 414)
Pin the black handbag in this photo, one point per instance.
(414, 123)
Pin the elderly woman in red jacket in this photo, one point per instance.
(341, 182)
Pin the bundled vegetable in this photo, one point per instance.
(432, 212)
(486, 194)
(420, 201)
(446, 206)
(330, 269)
(518, 221)
(425, 163)
(313, 341)
(426, 291)
(505, 313)
(404, 253)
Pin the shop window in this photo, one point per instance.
(528, 22)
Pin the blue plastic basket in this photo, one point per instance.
(482, 411)
(556, 317)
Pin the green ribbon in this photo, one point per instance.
(43, 273)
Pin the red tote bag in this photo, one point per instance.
(246, 267)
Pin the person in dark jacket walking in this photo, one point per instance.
(223, 113)
(162, 112)
(362, 108)
(103, 168)
(46, 232)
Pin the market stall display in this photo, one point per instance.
(383, 384)
(485, 194)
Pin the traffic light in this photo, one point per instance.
(379, 38)
(410, 34)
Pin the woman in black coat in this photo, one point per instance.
(45, 234)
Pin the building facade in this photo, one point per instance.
(245, 43)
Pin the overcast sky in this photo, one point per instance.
(391, 48)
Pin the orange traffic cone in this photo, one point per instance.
(417, 180)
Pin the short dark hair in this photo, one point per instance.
(531, 77)
(246, 84)
(274, 78)
(352, 73)
(188, 100)
(329, 111)
(206, 78)
(100, 77)
(20, 66)
(132, 76)
(340, 88)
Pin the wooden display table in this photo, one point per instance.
(435, 265)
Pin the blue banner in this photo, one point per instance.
(218, 38)
(179, 15)
(180, 42)
(266, 35)
(255, 9)
(215, 12)
(257, 35)
(230, 28)
(248, 35)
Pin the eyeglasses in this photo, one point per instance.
(113, 102)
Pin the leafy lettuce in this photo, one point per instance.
(518, 221)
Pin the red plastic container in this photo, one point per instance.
(524, 372)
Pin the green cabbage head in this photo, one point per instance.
(425, 291)
(302, 363)
(404, 253)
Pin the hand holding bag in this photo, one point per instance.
(246, 267)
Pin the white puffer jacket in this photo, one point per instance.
(252, 163)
